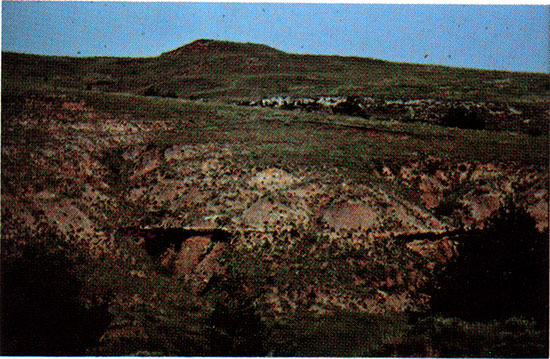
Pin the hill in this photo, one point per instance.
(318, 199)
(237, 71)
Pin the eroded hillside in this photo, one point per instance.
(315, 211)
(341, 231)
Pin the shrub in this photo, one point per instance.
(42, 311)
(350, 107)
(464, 118)
(118, 168)
(235, 326)
(236, 329)
(154, 91)
(500, 271)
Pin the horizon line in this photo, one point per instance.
(272, 47)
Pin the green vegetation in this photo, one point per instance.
(454, 337)
(253, 71)
(118, 169)
(289, 138)
(492, 297)
(502, 268)
(341, 334)
(236, 328)
(43, 310)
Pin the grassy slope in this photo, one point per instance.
(233, 71)
(281, 137)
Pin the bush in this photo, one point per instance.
(464, 118)
(235, 326)
(118, 168)
(155, 92)
(350, 107)
(42, 311)
(500, 271)
(448, 206)
(236, 329)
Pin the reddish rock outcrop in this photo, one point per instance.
(190, 255)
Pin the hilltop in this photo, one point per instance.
(209, 47)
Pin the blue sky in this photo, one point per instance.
(506, 37)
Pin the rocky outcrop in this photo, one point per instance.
(465, 114)
(467, 194)
(190, 254)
